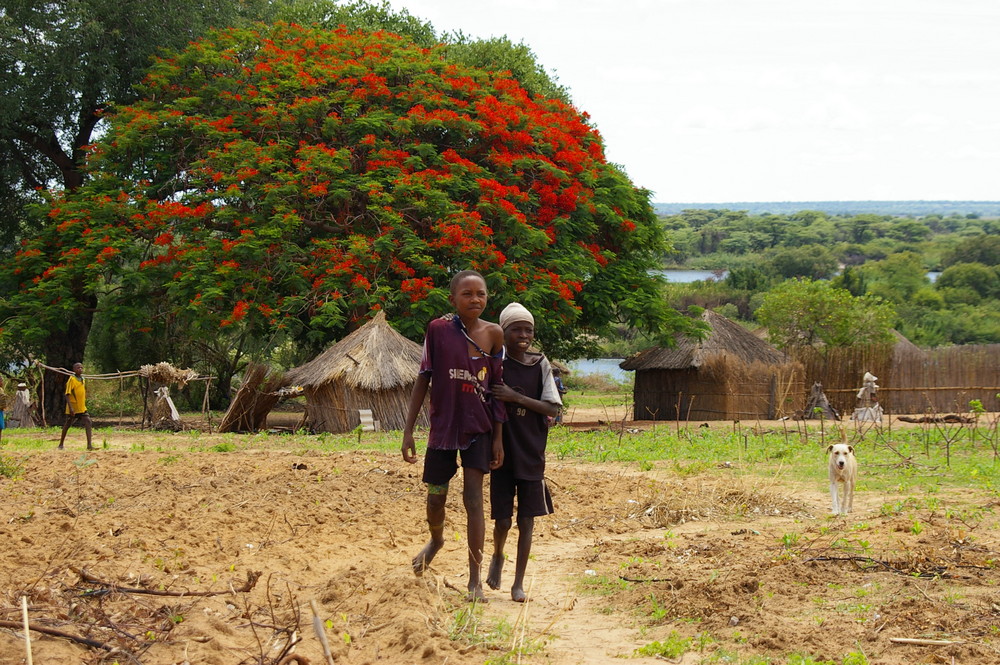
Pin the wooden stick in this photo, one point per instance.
(923, 642)
(252, 577)
(320, 633)
(57, 633)
(27, 633)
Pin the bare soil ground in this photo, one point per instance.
(146, 553)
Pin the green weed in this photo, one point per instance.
(673, 647)
(10, 467)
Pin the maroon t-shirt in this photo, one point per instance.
(462, 405)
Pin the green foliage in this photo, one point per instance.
(983, 249)
(978, 278)
(896, 278)
(881, 255)
(10, 467)
(674, 646)
(284, 183)
(65, 64)
(810, 262)
(814, 313)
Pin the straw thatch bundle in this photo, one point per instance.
(731, 374)
(164, 373)
(372, 368)
(255, 398)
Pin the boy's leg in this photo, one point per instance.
(472, 496)
(533, 499)
(67, 421)
(437, 496)
(501, 528)
(439, 468)
(525, 530)
(88, 426)
(502, 489)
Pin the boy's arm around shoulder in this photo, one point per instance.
(550, 403)
(507, 394)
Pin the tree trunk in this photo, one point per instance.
(62, 349)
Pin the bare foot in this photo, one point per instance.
(476, 595)
(423, 560)
(496, 570)
(517, 594)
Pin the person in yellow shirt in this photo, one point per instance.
(76, 406)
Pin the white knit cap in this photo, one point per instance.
(513, 313)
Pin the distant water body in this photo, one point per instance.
(686, 276)
(607, 366)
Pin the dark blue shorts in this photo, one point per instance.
(440, 466)
(533, 498)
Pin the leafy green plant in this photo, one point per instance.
(855, 658)
(789, 540)
(673, 647)
(602, 585)
(10, 467)
(803, 659)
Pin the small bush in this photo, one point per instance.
(673, 647)
(10, 467)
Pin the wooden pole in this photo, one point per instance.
(27, 633)
(41, 382)
(320, 632)
(205, 404)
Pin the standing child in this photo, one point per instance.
(463, 355)
(76, 406)
(532, 398)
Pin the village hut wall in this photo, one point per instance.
(722, 388)
(731, 374)
(333, 407)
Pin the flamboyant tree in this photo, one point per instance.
(284, 183)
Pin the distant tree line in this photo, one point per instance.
(882, 259)
(896, 208)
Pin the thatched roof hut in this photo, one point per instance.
(372, 368)
(731, 374)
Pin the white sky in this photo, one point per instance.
(772, 100)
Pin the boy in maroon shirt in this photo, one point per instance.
(532, 397)
(463, 356)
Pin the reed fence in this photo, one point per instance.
(911, 380)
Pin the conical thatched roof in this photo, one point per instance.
(904, 349)
(724, 336)
(374, 357)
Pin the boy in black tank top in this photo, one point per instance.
(530, 394)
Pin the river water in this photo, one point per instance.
(607, 366)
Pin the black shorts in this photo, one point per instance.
(440, 466)
(533, 498)
(82, 417)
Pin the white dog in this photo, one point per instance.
(843, 468)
